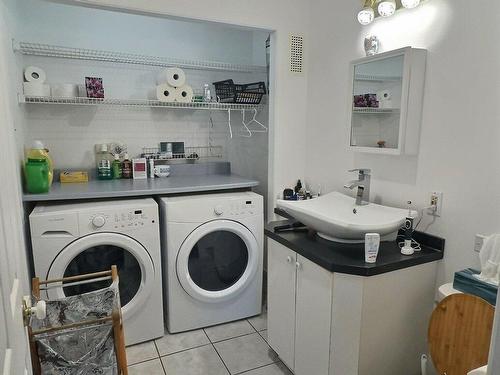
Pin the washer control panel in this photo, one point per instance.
(117, 220)
(240, 208)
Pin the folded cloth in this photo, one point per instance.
(489, 255)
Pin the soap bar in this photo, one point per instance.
(73, 177)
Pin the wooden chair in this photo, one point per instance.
(115, 318)
(460, 333)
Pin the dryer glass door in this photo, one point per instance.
(98, 252)
(218, 260)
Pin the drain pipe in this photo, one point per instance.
(423, 364)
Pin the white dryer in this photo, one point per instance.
(72, 239)
(212, 247)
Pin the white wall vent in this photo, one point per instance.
(296, 53)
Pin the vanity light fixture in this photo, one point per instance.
(410, 4)
(367, 14)
(386, 8)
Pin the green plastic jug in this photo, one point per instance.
(37, 175)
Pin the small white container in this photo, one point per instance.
(372, 244)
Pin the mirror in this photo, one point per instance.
(376, 103)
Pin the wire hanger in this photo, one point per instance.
(257, 121)
(249, 135)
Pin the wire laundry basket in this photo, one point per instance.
(80, 334)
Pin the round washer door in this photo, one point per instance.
(98, 252)
(217, 261)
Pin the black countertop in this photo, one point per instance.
(350, 258)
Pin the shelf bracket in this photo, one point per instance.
(229, 123)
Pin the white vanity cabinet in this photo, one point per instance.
(386, 99)
(299, 310)
(329, 323)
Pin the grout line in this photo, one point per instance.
(251, 325)
(235, 337)
(256, 368)
(222, 360)
(139, 362)
(184, 350)
(159, 357)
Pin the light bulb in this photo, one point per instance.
(366, 15)
(386, 8)
(410, 4)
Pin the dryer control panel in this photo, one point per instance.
(117, 220)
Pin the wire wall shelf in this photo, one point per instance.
(189, 154)
(48, 50)
(134, 103)
(367, 110)
(376, 78)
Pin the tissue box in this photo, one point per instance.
(73, 177)
(466, 282)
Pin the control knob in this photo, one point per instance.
(98, 221)
(218, 210)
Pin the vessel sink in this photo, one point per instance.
(336, 217)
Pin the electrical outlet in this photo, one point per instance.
(436, 203)
(478, 242)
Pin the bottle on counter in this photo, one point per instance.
(104, 171)
(126, 167)
(117, 167)
(207, 95)
(38, 151)
(37, 175)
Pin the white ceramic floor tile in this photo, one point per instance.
(177, 342)
(153, 367)
(259, 322)
(245, 353)
(141, 352)
(263, 334)
(274, 369)
(229, 330)
(198, 361)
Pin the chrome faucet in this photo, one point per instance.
(363, 185)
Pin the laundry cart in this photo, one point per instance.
(80, 334)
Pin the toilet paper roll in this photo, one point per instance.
(36, 89)
(164, 93)
(34, 74)
(175, 77)
(64, 90)
(184, 94)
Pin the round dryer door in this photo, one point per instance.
(218, 260)
(98, 252)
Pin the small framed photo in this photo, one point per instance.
(94, 87)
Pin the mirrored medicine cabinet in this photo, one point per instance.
(385, 106)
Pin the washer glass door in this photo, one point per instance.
(98, 252)
(218, 260)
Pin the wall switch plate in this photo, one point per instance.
(435, 203)
(478, 242)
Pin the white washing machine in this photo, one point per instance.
(72, 239)
(212, 247)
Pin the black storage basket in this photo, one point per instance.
(229, 92)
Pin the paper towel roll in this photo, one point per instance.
(64, 90)
(184, 94)
(36, 89)
(34, 74)
(164, 93)
(175, 77)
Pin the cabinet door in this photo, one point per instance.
(313, 318)
(281, 279)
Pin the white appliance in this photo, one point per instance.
(212, 247)
(72, 239)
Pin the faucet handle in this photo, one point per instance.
(361, 170)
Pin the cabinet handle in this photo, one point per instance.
(298, 265)
(289, 259)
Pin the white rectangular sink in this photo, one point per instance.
(336, 217)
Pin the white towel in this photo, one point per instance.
(490, 260)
